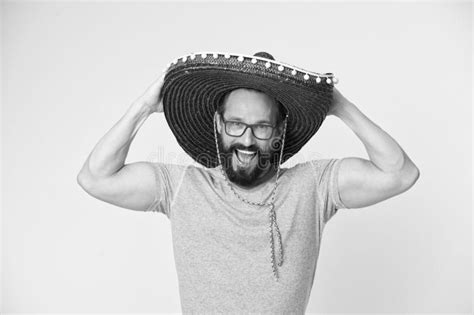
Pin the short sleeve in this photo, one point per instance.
(326, 172)
(168, 178)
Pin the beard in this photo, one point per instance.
(247, 175)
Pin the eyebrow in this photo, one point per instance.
(264, 121)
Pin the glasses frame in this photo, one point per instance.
(246, 127)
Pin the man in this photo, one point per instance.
(246, 232)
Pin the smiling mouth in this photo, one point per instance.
(245, 157)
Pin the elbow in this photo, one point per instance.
(414, 174)
(83, 180)
(88, 184)
(410, 177)
(417, 174)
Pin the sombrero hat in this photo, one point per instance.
(195, 84)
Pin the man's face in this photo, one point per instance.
(246, 159)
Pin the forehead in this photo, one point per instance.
(250, 105)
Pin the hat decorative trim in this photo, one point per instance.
(281, 66)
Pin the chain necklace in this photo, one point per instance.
(271, 204)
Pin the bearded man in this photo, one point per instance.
(246, 232)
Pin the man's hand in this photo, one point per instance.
(151, 98)
(338, 103)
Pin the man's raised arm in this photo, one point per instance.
(389, 171)
(104, 174)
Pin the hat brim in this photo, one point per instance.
(192, 92)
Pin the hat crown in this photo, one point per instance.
(264, 54)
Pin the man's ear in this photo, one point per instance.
(279, 129)
(281, 126)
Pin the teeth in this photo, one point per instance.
(245, 156)
(246, 152)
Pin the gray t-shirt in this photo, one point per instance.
(222, 245)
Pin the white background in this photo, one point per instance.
(71, 69)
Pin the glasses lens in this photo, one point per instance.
(263, 131)
(234, 128)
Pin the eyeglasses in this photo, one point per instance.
(237, 129)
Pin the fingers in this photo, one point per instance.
(156, 85)
(152, 95)
(159, 109)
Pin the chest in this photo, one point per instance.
(219, 238)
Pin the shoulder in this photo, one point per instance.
(169, 167)
(194, 171)
(315, 167)
(169, 171)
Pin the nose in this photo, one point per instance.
(247, 138)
